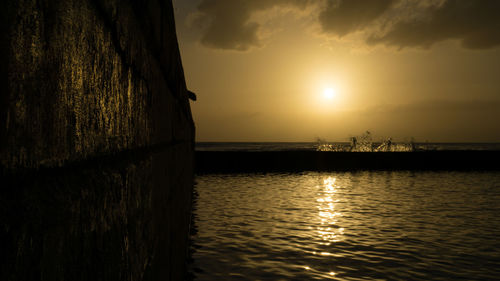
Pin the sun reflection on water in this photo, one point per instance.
(328, 230)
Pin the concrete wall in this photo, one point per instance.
(96, 141)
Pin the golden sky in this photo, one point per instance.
(295, 70)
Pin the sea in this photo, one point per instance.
(363, 225)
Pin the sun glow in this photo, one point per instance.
(329, 93)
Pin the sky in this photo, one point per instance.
(298, 70)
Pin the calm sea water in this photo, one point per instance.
(281, 146)
(347, 226)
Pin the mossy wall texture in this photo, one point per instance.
(96, 140)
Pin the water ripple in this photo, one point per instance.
(347, 226)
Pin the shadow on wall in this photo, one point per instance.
(96, 139)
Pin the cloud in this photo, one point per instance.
(475, 24)
(344, 17)
(227, 23)
(230, 25)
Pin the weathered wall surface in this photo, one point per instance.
(96, 141)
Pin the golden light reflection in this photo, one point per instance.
(327, 275)
(329, 183)
(328, 229)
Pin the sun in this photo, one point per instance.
(329, 93)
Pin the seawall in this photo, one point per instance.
(96, 141)
(299, 161)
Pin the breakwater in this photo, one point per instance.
(296, 161)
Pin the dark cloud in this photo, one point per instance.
(475, 23)
(227, 22)
(343, 17)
